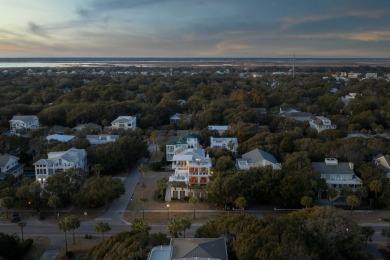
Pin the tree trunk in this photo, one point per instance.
(66, 243)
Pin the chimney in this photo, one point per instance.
(351, 165)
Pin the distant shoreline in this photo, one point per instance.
(190, 62)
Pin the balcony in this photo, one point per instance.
(178, 178)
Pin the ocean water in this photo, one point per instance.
(150, 61)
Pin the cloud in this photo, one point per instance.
(101, 6)
(37, 30)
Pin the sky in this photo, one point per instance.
(195, 28)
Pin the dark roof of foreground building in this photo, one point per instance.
(199, 248)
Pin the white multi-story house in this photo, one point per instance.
(257, 158)
(9, 165)
(192, 170)
(321, 123)
(338, 174)
(183, 141)
(22, 124)
(59, 162)
(102, 139)
(125, 123)
(229, 143)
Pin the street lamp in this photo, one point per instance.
(168, 210)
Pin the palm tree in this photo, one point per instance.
(230, 145)
(63, 226)
(306, 201)
(102, 227)
(386, 233)
(175, 185)
(174, 228)
(139, 226)
(73, 223)
(53, 202)
(375, 186)
(194, 200)
(143, 168)
(162, 185)
(352, 201)
(367, 232)
(184, 224)
(22, 225)
(240, 203)
(143, 201)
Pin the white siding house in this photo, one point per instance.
(192, 170)
(9, 165)
(338, 174)
(321, 123)
(22, 124)
(257, 158)
(125, 123)
(59, 162)
(183, 141)
(229, 143)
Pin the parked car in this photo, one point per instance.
(15, 217)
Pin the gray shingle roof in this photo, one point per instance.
(185, 248)
(257, 155)
(4, 158)
(340, 168)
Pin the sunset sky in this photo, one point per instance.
(197, 28)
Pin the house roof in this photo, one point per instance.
(26, 119)
(181, 139)
(61, 138)
(102, 138)
(4, 158)
(71, 155)
(191, 155)
(87, 126)
(219, 127)
(297, 114)
(383, 160)
(220, 140)
(124, 119)
(206, 248)
(257, 155)
(339, 168)
(175, 116)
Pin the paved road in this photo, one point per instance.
(114, 214)
(114, 217)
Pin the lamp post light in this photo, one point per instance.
(168, 210)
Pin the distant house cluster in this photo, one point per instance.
(61, 160)
(193, 167)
